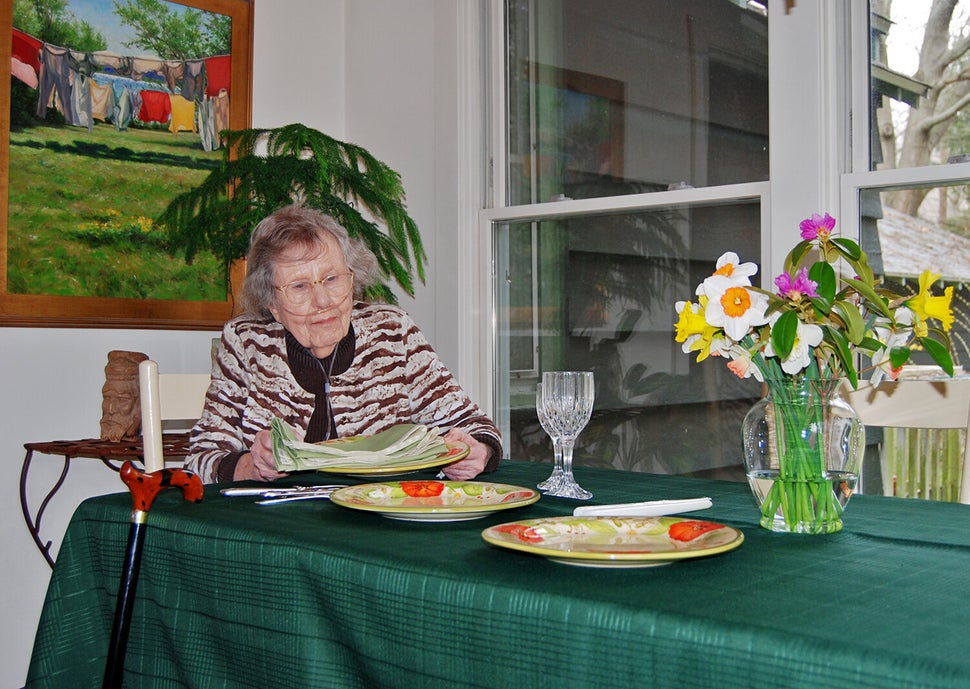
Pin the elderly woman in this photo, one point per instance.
(307, 352)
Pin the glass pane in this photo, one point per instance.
(916, 80)
(590, 117)
(597, 293)
(916, 463)
(900, 246)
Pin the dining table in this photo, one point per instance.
(311, 593)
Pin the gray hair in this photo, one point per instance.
(307, 228)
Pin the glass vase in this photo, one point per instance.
(803, 446)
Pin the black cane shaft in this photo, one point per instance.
(115, 666)
(144, 487)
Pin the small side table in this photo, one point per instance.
(111, 453)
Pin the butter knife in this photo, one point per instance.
(652, 508)
(276, 500)
(266, 492)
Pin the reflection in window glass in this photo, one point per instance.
(917, 82)
(597, 293)
(617, 97)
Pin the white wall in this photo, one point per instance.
(380, 73)
(51, 390)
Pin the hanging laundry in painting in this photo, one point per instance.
(156, 106)
(220, 106)
(104, 86)
(193, 80)
(112, 63)
(146, 68)
(183, 114)
(174, 72)
(55, 83)
(205, 121)
(24, 72)
(217, 75)
(25, 57)
(102, 101)
(81, 101)
(121, 113)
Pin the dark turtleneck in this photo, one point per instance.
(313, 375)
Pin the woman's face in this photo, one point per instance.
(321, 322)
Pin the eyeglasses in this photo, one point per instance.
(337, 287)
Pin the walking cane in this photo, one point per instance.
(144, 487)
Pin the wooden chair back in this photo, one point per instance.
(167, 399)
(938, 403)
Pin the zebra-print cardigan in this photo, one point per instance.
(395, 377)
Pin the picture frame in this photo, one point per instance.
(63, 300)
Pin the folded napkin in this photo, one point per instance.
(653, 508)
(397, 446)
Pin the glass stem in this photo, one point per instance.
(566, 450)
(557, 455)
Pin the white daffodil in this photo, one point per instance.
(733, 307)
(806, 337)
(729, 266)
(890, 338)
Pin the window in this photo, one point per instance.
(636, 154)
(910, 188)
(614, 121)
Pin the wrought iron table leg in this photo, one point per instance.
(33, 522)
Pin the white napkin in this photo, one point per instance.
(399, 445)
(653, 508)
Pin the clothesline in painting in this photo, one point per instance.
(190, 95)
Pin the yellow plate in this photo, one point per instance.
(615, 541)
(456, 450)
(434, 500)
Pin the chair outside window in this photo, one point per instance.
(169, 402)
(921, 463)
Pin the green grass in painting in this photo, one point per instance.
(81, 207)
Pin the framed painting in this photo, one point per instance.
(112, 109)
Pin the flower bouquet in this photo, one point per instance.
(802, 444)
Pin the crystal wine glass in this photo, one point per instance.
(567, 399)
(555, 478)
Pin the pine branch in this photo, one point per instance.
(265, 169)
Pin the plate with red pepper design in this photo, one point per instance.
(434, 500)
(615, 541)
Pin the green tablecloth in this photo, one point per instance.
(311, 594)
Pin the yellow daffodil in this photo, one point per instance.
(926, 305)
(692, 330)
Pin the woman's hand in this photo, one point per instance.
(258, 464)
(471, 465)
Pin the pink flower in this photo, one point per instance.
(817, 227)
(795, 289)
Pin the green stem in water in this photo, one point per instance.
(802, 493)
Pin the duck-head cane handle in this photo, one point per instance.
(144, 487)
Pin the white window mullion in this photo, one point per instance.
(806, 121)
